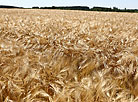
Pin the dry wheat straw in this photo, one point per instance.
(68, 56)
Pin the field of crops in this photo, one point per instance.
(68, 56)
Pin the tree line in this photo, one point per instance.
(64, 7)
(86, 8)
(7, 6)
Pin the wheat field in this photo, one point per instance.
(68, 56)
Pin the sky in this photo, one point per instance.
(133, 4)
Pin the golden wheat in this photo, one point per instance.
(68, 56)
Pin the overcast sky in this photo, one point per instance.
(90, 3)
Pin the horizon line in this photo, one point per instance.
(67, 6)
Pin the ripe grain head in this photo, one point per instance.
(68, 56)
